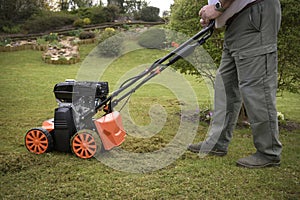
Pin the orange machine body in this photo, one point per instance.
(109, 127)
(48, 125)
(111, 130)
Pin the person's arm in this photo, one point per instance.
(209, 12)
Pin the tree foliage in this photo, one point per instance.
(184, 16)
(150, 14)
(19, 10)
(128, 6)
(119, 3)
(132, 8)
(98, 14)
(185, 19)
(65, 5)
(289, 47)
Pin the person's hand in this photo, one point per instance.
(208, 13)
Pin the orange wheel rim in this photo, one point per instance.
(36, 142)
(84, 145)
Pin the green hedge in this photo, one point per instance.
(154, 38)
(48, 21)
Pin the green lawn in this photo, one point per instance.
(27, 100)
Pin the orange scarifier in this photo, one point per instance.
(74, 127)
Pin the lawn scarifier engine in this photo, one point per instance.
(74, 129)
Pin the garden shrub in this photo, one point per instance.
(11, 29)
(51, 37)
(4, 41)
(78, 23)
(153, 38)
(112, 46)
(86, 35)
(126, 27)
(107, 33)
(41, 41)
(74, 32)
(86, 21)
(48, 21)
(82, 12)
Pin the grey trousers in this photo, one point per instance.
(248, 74)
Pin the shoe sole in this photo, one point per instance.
(277, 164)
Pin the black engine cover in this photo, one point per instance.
(64, 128)
(67, 92)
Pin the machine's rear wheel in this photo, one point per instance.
(38, 141)
(85, 144)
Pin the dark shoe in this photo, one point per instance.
(195, 148)
(257, 161)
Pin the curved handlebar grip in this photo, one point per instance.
(211, 24)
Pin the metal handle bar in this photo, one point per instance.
(182, 51)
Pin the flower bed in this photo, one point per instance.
(22, 45)
(62, 53)
(57, 49)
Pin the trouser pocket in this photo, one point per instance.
(271, 65)
(256, 63)
(255, 16)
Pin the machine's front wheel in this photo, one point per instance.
(38, 141)
(85, 144)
